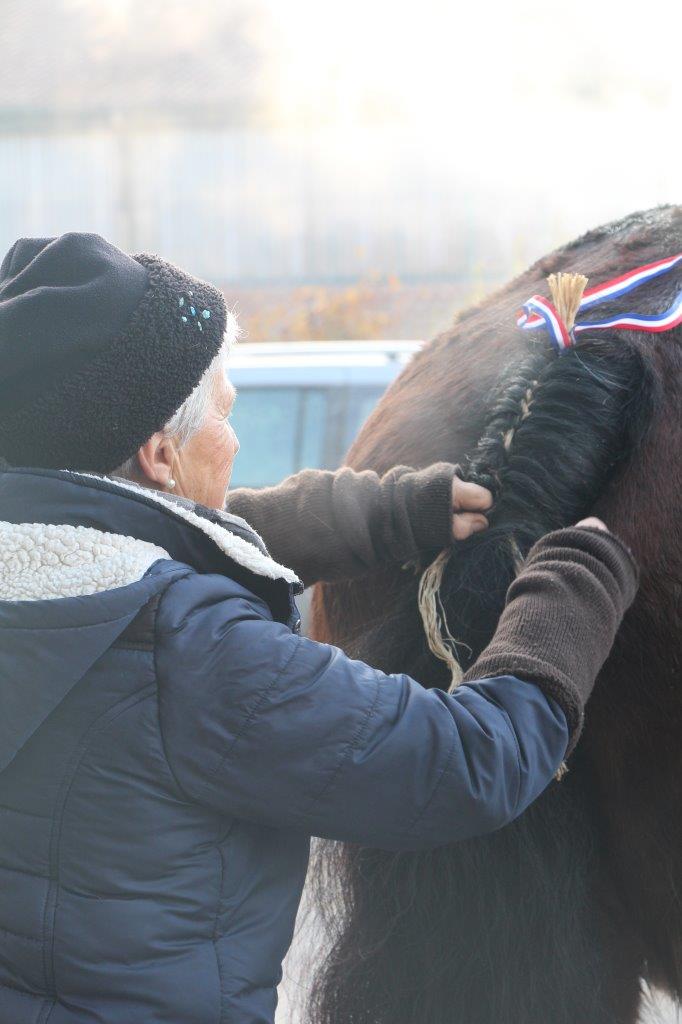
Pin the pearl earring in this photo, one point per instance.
(171, 483)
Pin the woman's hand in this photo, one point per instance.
(469, 503)
(593, 523)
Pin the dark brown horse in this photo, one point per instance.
(556, 918)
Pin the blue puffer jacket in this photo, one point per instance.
(168, 743)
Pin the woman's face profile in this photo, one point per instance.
(203, 466)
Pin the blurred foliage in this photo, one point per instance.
(371, 308)
(324, 313)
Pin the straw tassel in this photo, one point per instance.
(567, 292)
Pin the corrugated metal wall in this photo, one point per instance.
(244, 205)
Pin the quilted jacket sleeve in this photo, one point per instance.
(271, 727)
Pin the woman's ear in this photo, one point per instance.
(156, 457)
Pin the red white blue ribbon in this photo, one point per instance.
(539, 312)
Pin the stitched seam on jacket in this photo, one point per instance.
(100, 622)
(157, 679)
(120, 708)
(44, 913)
(450, 759)
(25, 814)
(23, 871)
(45, 1011)
(53, 629)
(517, 752)
(260, 700)
(45, 1002)
(346, 751)
(20, 991)
(510, 726)
(221, 1016)
(441, 775)
(18, 935)
(253, 600)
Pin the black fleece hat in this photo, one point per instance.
(98, 349)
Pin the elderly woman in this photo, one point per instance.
(168, 742)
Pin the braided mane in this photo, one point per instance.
(557, 431)
(415, 937)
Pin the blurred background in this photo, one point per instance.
(345, 172)
(349, 173)
(350, 170)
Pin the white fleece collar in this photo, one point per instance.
(236, 548)
(39, 561)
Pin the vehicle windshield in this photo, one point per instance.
(284, 429)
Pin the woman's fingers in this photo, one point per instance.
(466, 523)
(468, 497)
(469, 502)
(595, 523)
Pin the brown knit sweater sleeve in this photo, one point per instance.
(561, 617)
(339, 525)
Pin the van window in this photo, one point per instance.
(281, 429)
(284, 429)
(361, 401)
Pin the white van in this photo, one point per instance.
(300, 404)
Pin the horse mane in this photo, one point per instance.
(557, 435)
(556, 431)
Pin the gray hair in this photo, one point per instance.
(189, 418)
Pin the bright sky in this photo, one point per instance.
(531, 120)
(580, 101)
(425, 58)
